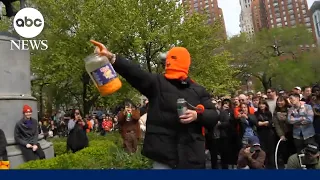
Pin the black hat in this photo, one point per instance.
(312, 148)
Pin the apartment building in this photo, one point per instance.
(210, 7)
(246, 23)
(280, 13)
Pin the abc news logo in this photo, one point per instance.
(29, 23)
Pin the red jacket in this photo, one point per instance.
(107, 125)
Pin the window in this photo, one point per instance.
(290, 6)
(286, 23)
(292, 17)
(308, 24)
(293, 23)
(278, 20)
(291, 11)
(307, 19)
(289, 2)
(271, 21)
(304, 11)
(285, 18)
(279, 25)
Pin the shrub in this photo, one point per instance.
(104, 152)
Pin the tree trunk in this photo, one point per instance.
(87, 102)
(266, 82)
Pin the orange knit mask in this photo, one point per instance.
(177, 63)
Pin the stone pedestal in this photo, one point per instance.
(15, 91)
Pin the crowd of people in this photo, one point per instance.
(292, 117)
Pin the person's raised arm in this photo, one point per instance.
(139, 79)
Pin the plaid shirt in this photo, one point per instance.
(302, 120)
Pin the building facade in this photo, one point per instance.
(210, 7)
(246, 24)
(259, 16)
(315, 14)
(281, 13)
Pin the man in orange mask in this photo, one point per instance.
(171, 141)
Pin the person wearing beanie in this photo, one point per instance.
(252, 156)
(26, 136)
(171, 141)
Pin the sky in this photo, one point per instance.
(231, 11)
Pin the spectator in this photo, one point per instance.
(26, 135)
(130, 127)
(308, 158)
(77, 138)
(251, 156)
(300, 115)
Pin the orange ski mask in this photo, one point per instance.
(177, 63)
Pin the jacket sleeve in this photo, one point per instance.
(310, 114)
(136, 115)
(277, 126)
(210, 116)
(17, 136)
(259, 162)
(3, 142)
(121, 117)
(293, 162)
(242, 160)
(139, 79)
(224, 120)
(252, 120)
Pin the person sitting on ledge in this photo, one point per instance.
(26, 135)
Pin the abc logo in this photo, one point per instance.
(28, 22)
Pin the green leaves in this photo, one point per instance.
(258, 56)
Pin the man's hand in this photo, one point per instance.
(29, 146)
(244, 116)
(34, 147)
(247, 152)
(188, 117)
(102, 50)
(283, 138)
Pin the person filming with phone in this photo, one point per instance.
(308, 158)
(251, 156)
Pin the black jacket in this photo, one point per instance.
(26, 135)
(3, 145)
(77, 138)
(252, 122)
(167, 140)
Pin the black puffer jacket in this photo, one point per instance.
(167, 140)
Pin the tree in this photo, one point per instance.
(139, 30)
(303, 71)
(260, 56)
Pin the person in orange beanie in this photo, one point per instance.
(171, 141)
(26, 135)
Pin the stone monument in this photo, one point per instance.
(15, 91)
